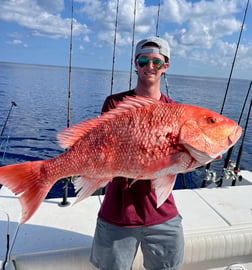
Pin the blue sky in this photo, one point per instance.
(202, 34)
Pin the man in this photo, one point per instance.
(128, 216)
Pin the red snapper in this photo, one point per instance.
(141, 139)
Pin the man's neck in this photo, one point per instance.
(151, 91)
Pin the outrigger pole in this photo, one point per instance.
(232, 67)
(70, 72)
(157, 24)
(113, 62)
(158, 18)
(132, 47)
(65, 187)
(7, 118)
(227, 88)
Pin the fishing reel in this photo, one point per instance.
(210, 176)
(231, 173)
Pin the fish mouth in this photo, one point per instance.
(233, 138)
(235, 135)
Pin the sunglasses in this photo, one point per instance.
(144, 61)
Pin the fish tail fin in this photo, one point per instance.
(27, 179)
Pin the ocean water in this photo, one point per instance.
(41, 95)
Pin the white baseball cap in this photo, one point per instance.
(162, 46)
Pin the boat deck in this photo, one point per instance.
(217, 225)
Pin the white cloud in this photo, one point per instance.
(17, 42)
(200, 30)
(225, 52)
(86, 39)
(204, 34)
(199, 24)
(103, 15)
(51, 6)
(39, 19)
(175, 10)
(15, 35)
(180, 11)
(202, 23)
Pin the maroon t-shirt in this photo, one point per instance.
(136, 205)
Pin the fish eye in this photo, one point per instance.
(211, 120)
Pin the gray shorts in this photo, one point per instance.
(114, 247)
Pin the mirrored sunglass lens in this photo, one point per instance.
(158, 63)
(143, 61)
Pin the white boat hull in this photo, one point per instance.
(217, 226)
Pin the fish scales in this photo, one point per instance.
(129, 139)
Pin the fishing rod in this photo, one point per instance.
(237, 47)
(227, 163)
(13, 104)
(7, 241)
(132, 47)
(238, 160)
(158, 18)
(157, 25)
(70, 71)
(209, 173)
(113, 62)
(65, 181)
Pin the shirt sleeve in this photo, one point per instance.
(108, 104)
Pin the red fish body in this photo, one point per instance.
(141, 139)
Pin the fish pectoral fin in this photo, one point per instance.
(85, 187)
(163, 187)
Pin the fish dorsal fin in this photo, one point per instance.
(130, 102)
(69, 136)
